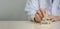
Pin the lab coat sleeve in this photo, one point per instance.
(46, 5)
(31, 8)
(55, 6)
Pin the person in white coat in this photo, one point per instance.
(36, 9)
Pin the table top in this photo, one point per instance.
(25, 25)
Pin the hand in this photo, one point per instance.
(39, 15)
(54, 18)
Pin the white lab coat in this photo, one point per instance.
(33, 5)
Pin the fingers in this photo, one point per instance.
(39, 13)
(51, 19)
(54, 20)
(44, 13)
(37, 18)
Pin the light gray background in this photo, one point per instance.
(12, 10)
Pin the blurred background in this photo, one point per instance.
(12, 10)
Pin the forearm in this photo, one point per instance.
(58, 17)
